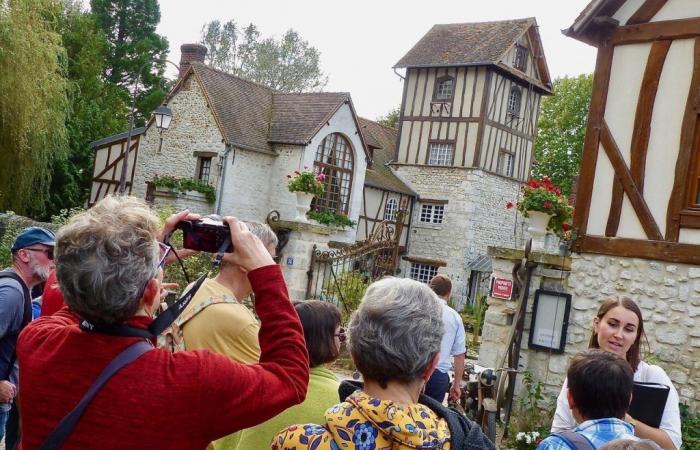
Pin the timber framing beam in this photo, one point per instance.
(646, 12)
(655, 31)
(689, 129)
(642, 130)
(635, 248)
(624, 176)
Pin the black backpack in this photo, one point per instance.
(26, 316)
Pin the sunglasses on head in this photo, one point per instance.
(47, 251)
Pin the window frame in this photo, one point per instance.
(201, 167)
(502, 154)
(434, 217)
(334, 172)
(520, 58)
(428, 270)
(451, 145)
(517, 93)
(436, 89)
(391, 211)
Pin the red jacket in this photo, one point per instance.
(52, 298)
(162, 400)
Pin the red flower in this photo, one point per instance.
(547, 205)
(565, 226)
(509, 205)
(320, 177)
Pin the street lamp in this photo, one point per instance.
(163, 115)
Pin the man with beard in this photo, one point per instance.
(32, 260)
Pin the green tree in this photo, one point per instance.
(562, 127)
(97, 108)
(288, 64)
(33, 101)
(391, 119)
(130, 27)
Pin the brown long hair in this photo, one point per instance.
(319, 321)
(633, 354)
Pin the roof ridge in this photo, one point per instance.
(222, 72)
(310, 93)
(524, 19)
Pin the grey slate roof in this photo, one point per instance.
(384, 140)
(298, 117)
(464, 44)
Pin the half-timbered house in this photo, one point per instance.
(467, 127)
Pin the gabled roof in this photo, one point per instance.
(383, 139)
(478, 44)
(298, 117)
(589, 26)
(116, 137)
(465, 44)
(243, 109)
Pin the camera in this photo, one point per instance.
(206, 234)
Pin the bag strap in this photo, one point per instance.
(213, 300)
(64, 428)
(576, 441)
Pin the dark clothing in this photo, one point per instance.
(12, 303)
(437, 386)
(464, 434)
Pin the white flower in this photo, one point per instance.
(535, 434)
(528, 439)
(520, 436)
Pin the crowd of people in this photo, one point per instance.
(96, 370)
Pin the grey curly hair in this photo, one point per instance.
(396, 330)
(104, 257)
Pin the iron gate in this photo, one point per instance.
(342, 275)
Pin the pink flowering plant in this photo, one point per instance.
(543, 196)
(306, 181)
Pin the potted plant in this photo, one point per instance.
(545, 207)
(306, 185)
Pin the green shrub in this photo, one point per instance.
(348, 288)
(690, 428)
(331, 218)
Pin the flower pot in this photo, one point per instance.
(303, 205)
(537, 227)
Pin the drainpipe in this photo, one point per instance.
(223, 179)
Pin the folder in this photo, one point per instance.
(648, 402)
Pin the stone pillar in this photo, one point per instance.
(296, 255)
(552, 274)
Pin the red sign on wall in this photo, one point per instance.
(501, 288)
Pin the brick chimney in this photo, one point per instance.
(190, 53)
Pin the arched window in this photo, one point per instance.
(392, 205)
(514, 101)
(334, 159)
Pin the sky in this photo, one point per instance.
(361, 40)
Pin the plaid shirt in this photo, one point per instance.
(599, 432)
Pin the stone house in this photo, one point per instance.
(466, 132)
(637, 202)
(243, 139)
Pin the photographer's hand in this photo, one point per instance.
(168, 227)
(248, 251)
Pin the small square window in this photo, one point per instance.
(444, 89)
(506, 164)
(432, 213)
(423, 272)
(440, 154)
(204, 170)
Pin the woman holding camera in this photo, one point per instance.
(618, 327)
(109, 263)
(394, 339)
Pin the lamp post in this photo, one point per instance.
(162, 115)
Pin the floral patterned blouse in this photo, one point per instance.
(366, 423)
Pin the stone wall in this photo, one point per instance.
(475, 218)
(192, 129)
(668, 294)
(196, 202)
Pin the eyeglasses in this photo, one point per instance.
(341, 335)
(165, 251)
(47, 251)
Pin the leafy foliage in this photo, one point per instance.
(288, 64)
(690, 427)
(531, 415)
(391, 119)
(348, 288)
(475, 315)
(33, 102)
(307, 182)
(331, 218)
(561, 130)
(130, 28)
(186, 184)
(543, 196)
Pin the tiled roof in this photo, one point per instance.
(465, 43)
(384, 139)
(298, 117)
(242, 108)
(584, 28)
(116, 137)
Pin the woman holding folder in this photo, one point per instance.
(618, 328)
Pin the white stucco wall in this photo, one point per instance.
(678, 9)
(343, 122)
